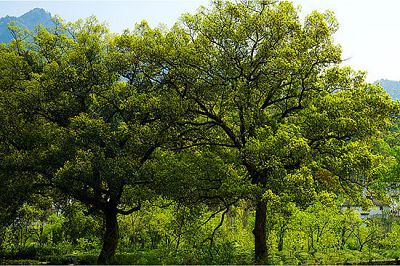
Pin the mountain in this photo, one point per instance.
(28, 21)
(390, 86)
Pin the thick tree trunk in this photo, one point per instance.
(260, 241)
(110, 238)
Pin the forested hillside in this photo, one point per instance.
(27, 21)
(234, 137)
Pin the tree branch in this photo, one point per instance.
(136, 208)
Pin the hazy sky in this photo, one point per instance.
(369, 29)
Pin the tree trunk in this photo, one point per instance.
(281, 238)
(260, 241)
(245, 217)
(110, 238)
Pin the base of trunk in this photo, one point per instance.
(110, 239)
(260, 241)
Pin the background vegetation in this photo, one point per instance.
(319, 234)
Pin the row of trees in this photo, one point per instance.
(322, 233)
(240, 101)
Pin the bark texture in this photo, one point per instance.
(110, 238)
(260, 242)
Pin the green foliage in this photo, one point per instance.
(323, 233)
(238, 113)
(78, 227)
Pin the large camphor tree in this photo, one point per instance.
(267, 86)
(71, 121)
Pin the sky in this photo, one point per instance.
(369, 30)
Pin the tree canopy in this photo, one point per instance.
(268, 87)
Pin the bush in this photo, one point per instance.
(30, 252)
(72, 259)
(20, 262)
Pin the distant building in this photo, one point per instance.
(379, 208)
